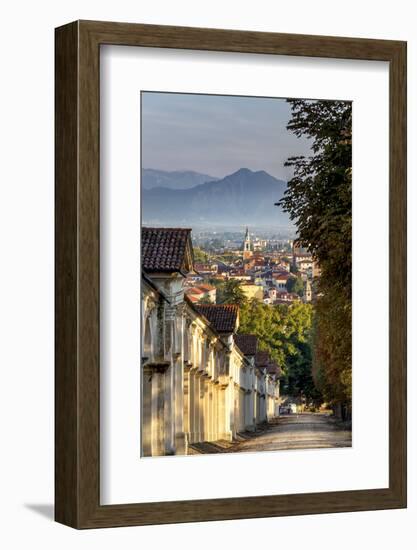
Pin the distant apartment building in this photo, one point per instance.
(259, 244)
(239, 275)
(206, 268)
(285, 266)
(279, 280)
(287, 297)
(305, 264)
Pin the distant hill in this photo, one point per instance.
(173, 180)
(244, 197)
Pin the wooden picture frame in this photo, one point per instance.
(77, 373)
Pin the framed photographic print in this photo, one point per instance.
(230, 274)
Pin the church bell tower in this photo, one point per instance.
(247, 247)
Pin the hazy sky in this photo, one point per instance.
(217, 135)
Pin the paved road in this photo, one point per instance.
(296, 431)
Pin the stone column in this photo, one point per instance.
(246, 409)
(170, 355)
(179, 404)
(153, 409)
(211, 411)
(207, 416)
(162, 441)
(146, 423)
(224, 413)
(252, 411)
(201, 407)
(187, 399)
(193, 406)
(215, 411)
(169, 411)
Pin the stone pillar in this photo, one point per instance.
(250, 410)
(196, 406)
(211, 410)
(202, 407)
(242, 397)
(187, 399)
(206, 436)
(170, 355)
(224, 413)
(192, 406)
(146, 424)
(161, 443)
(179, 405)
(231, 405)
(153, 409)
(216, 411)
(169, 411)
(246, 409)
(233, 409)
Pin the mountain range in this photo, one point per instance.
(173, 180)
(242, 198)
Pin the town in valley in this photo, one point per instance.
(269, 269)
(245, 275)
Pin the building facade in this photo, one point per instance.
(200, 380)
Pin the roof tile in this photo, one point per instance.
(222, 316)
(262, 359)
(164, 248)
(247, 343)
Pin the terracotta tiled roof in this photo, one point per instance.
(247, 343)
(282, 276)
(223, 317)
(273, 368)
(262, 359)
(194, 290)
(166, 249)
(206, 287)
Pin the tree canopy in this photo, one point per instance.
(231, 293)
(296, 285)
(200, 255)
(319, 201)
(285, 332)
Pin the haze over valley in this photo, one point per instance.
(242, 198)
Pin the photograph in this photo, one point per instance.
(196, 200)
(246, 274)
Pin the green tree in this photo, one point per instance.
(200, 256)
(285, 332)
(231, 293)
(319, 201)
(205, 300)
(296, 285)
